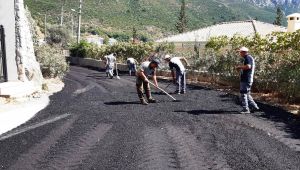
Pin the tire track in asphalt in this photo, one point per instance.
(193, 153)
(273, 129)
(246, 147)
(77, 151)
(156, 152)
(30, 159)
(85, 83)
(177, 148)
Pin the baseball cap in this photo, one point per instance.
(156, 61)
(167, 57)
(244, 49)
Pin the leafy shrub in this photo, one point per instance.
(58, 35)
(53, 63)
(123, 50)
(217, 43)
(165, 47)
(80, 50)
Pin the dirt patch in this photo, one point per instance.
(53, 85)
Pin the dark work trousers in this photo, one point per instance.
(141, 86)
(131, 68)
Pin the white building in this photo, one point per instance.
(229, 29)
(293, 22)
(95, 40)
(20, 73)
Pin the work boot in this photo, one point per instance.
(151, 100)
(143, 102)
(245, 111)
(254, 109)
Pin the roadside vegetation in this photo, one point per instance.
(277, 59)
(49, 50)
(50, 53)
(123, 50)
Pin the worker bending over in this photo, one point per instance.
(146, 70)
(180, 79)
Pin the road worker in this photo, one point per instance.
(146, 70)
(246, 80)
(131, 63)
(180, 77)
(110, 63)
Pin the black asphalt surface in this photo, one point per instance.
(97, 123)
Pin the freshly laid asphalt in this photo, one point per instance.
(97, 123)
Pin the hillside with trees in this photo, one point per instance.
(152, 19)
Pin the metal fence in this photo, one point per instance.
(3, 66)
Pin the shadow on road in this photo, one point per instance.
(196, 87)
(276, 114)
(291, 122)
(199, 112)
(230, 97)
(120, 103)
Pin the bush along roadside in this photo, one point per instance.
(52, 61)
(124, 50)
(277, 59)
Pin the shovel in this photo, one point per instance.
(163, 91)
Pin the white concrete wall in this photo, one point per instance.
(25, 47)
(294, 24)
(7, 19)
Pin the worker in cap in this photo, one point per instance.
(146, 70)
(246, 81)
(177, 67)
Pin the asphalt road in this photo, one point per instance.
(98, 123)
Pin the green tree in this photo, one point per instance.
(134, 33)
(279, 17)
(181, 25)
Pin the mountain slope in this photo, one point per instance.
(273, 3)
(154, 17)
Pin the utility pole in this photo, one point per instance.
(62, 12)
(72, 20)
(45, 24)
(79, 21)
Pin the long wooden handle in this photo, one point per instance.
(117, 69)
(162, 90)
